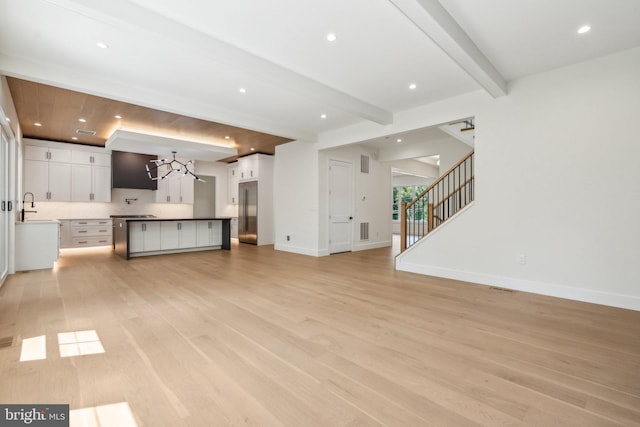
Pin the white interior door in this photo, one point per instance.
(340, 206)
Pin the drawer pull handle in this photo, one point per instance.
(82, 231)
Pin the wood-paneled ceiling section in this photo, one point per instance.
(59, 113)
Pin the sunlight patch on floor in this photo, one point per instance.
(79, 343)
(34, 349)
(113, 415)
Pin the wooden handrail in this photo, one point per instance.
(442, 177)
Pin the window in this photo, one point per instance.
(405, 194)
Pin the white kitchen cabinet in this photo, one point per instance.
(249, 167)
(101, 180)
(37, 244)
(91, 232)
(44, 153)
(90, 183)
(83, 157)
(48, 181)
(58, 172)
(175, 190)
(208, 233)
(233, 178)
(188, 234)
(144, 236)
(186, 190)
(178, 235)
(78, 233)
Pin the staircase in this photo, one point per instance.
(439, 202)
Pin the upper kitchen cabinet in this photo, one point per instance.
(82, 157)
(233, 178)
(47, 172)
(90, 183)
(46, 153)
(90, 176)
(60, 172)
(174, 189)
(251, 167)
(48, 181)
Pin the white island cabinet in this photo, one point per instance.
(136, 237)
(37, 244)
(144, 236)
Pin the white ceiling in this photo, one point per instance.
(191, 57)
(144, 143)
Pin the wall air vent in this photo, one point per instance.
(86, 132)
(364, 164)
(364, 231)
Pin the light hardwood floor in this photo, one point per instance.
(257, 337)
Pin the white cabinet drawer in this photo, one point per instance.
(79, 242)
(91, 222)
(91, 231)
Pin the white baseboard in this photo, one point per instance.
(297, 250)
(374, 245)
(542, 288)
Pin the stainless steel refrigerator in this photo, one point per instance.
(248, 212)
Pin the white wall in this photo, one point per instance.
(415, 167)
(296, 198)
(556, 180)
(405, 180)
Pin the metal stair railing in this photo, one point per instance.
(440, 201)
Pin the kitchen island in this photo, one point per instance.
(134, 237)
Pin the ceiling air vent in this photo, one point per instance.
(86, 132)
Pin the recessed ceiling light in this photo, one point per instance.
(323, 116)
(331, 37)
(82, 120)
(227, 137)
(584, 29)
(242, 90)
(117, 116)
(399, 140)
(413, 86)
(252, 149)
(102, 45)
(37, 124)
(75, 138)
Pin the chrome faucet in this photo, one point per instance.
(33, 205)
